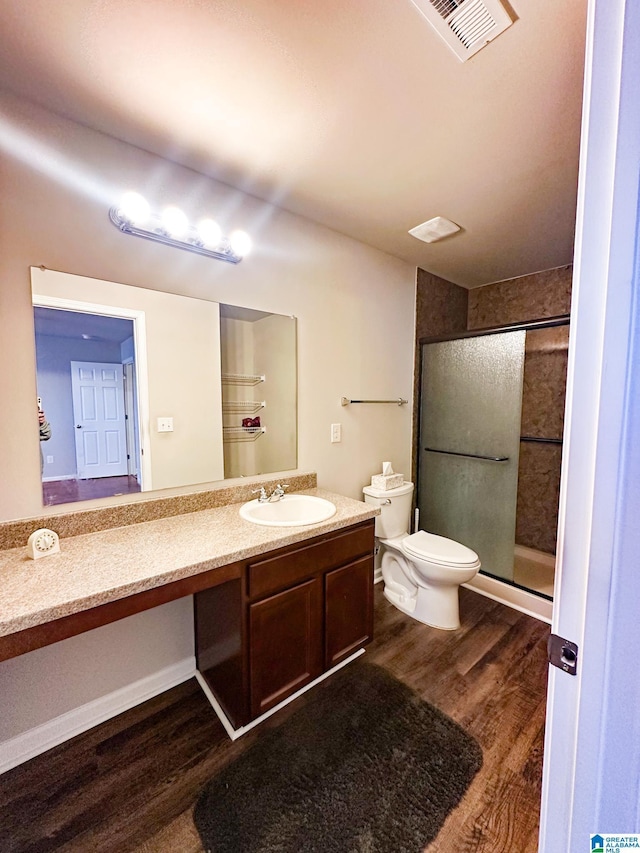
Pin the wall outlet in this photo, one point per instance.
(165, 424)
(49, 460)
(336, 433)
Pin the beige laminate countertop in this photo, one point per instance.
(102, 567)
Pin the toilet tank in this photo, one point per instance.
(395, 509)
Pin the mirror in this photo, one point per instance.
(259, 391)
(144, 390)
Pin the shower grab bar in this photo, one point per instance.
(541, 440)
(468, 455)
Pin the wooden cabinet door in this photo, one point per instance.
(349, 610)
(285, 644)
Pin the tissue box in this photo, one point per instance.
(387, 481)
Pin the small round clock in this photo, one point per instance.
(43, 542)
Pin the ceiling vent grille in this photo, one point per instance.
(465, 25)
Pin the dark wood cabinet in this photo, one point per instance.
(284, 648)
(348, 610)
(292, 615)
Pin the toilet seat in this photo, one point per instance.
(439, 550)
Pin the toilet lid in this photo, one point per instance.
(437, 549)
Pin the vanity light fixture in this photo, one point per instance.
(133, 215)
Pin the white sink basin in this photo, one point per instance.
(289, 511)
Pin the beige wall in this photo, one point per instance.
(348, 298)
(354, 304)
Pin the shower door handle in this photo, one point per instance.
(468, 455)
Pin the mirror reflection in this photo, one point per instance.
(141, 390)
(259, 391)
(85, 367)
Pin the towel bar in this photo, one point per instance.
(399, 402)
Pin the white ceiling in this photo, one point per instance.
(80, 326)
(350, 112)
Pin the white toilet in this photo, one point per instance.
(421, 571)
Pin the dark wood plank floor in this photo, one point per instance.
(56, 492)
(130, 784)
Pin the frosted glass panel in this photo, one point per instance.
(471, 403)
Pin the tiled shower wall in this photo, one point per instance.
(520, 300)
(543, 393)
(444, 308)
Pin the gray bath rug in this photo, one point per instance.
(365, 767)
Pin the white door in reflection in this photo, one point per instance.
(99, 419)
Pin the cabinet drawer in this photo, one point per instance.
(276, 573)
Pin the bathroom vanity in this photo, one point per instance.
(275, 607)
(287, 618)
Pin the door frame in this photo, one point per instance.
(593, 715)
(132, 426)
(140, 349)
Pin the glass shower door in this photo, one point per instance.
(471, 403)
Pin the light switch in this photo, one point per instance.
(165, 424)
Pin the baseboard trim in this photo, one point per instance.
(512, 596)
(55, 479)
(234, 734)
(35, 741)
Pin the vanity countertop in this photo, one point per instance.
(98, 568)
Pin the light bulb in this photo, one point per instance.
(134, 208)
(174, 221)
(240, 243)
(209, 232)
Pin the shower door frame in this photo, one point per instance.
(491, 588)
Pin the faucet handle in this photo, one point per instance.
(262, 494)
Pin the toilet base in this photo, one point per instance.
(438, 606)
(445, 614)
(435, 605)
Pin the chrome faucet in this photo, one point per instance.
(278, 492)
(275, 495)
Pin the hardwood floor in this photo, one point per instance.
(56, 492)
(129, 784)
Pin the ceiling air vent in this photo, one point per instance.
(465, 25)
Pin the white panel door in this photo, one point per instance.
(591, 781)
(99, 419)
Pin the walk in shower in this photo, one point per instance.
(490, 446)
